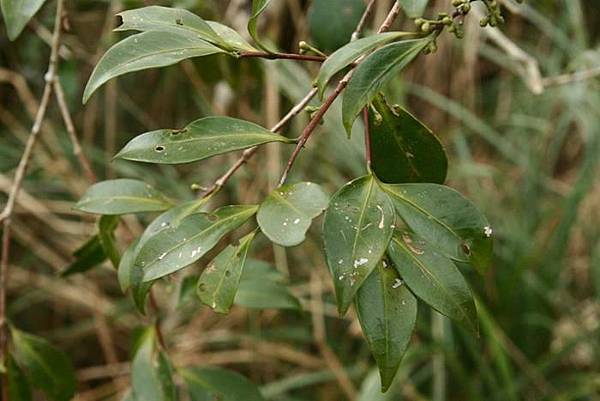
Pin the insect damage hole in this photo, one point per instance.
(159, 148)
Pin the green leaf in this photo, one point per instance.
(446, 219)
(433, 278)
(19, 388)
(17, 14)
(262, 293)
(402, 148)
(358, 226)
(201, 139)
(146, 50)
(177, 247)
(259, 270)
(219, 282)
(221, 384)
(106, 234)
(331, 22)
(187, 290)
(414, 8)
(287, 213)
(347, 54)
(374, 72)
(122, 196)
(387, 312)
(48, 368)
(88, 256)
(131, 276)
(167, 19)
(231, 37)
(258, 6)
(151, 372)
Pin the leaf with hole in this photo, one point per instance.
(374, 72)
(217, 383)
(357, 229)
(19, 388)
(48, 369)
(387, 312)
(287, 213)
(446, 219)
(122, 196)
(402, 148)
(219, 282)
(347, 54)
(433, 278)
(177, 247)
(17, 13)
(199, 140)
(146, 50)
(414, 8)
(151, 372)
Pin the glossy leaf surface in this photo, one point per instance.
(216, 383)
(374, 72)
(387, 312)
(445, 219)
(48, 369)
(358, 226)
(287, 213)
(146, 50)
(402, 148)
(348, 53)
(219, 282)
(177, 247)
(17, 13)
(433, 278)
(122, 196)
(199, 140)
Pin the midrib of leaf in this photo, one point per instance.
(222, 278)
(31, 352)
(386, 320)
(186, 28)
(426, 271)
(126, 198)
(362, 215)
(245, 134)
(287, 202)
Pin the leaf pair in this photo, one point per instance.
(37, 363)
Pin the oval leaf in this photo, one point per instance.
(357, 229)
(402, 148)
(146, 50)
(217, 383)
(49, 369)
(445, 218)
(387, 312)
(17, 14)
(19, 388)
(177, 247)
(122, 196)
(287, 213)
(433, 278)
(347, 54)
(199, 140)
(151, 372)
(374, 72)
(219, 282)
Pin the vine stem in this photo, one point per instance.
(314, 122)
(5, 216)
(283, 56)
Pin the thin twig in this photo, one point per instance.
(314, 122)
(363, 21)
(248, 153)
(367, 137)
(282, 56)
(572, 77)
(5, 217)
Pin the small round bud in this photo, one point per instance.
(466, 7)
(447, 21)
(419, 22)
(456, 3)
(484, 21)
(426, 27)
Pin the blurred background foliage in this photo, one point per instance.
(529, 161)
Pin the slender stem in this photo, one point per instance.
(314, 122)
(367, 137)
(248, 153)
(284, 56)
(5, 217)
(363, 21)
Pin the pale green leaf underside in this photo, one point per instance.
(17, 13)
(433, 278)
(387, 312)
(146, 50)
(122, 196)
(374, 72)
(199, 140)
(177, 247)
(287, 213)
(357, 229)
(219, 282)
